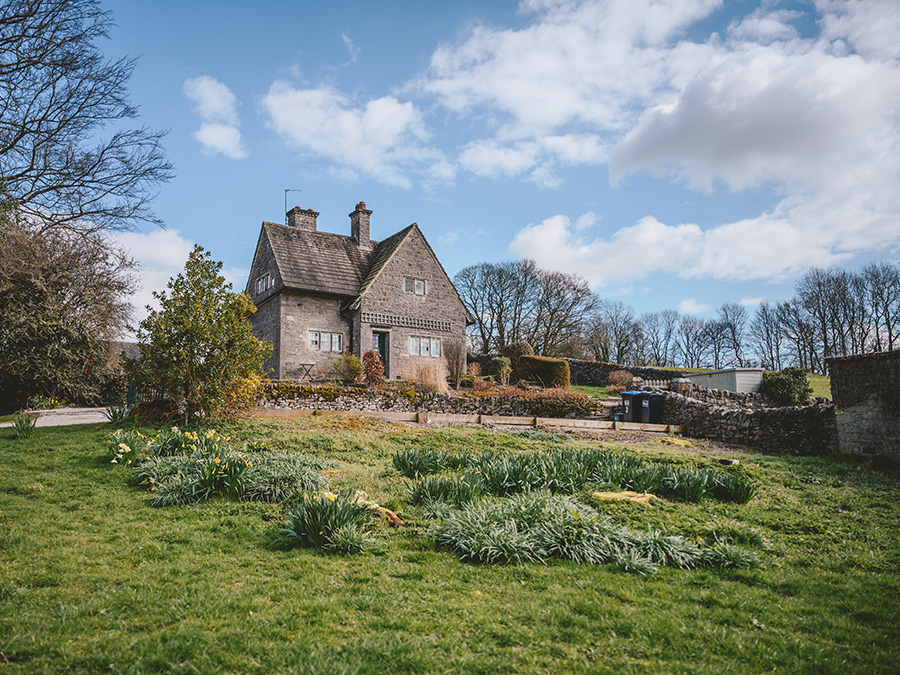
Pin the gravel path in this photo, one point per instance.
(66, 416)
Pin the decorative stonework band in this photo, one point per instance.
(405, 321)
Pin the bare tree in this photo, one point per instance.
(612, 333)
(691, 337)
(881, 283)
(733, 319)
(66, 157)
(500, 297)
(767, 336)
(558, 311)
(658, 335)
(715, 335)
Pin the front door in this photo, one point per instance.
(380, 345)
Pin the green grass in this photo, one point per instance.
(594, 392)
(95, 580)
(821, 385)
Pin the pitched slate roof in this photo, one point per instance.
(318, 261)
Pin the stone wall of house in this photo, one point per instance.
(438, 314)
(809, 429)
(266, 326)
(866, 392)
(300, 314)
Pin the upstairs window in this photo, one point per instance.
(264, 283)
(416, 286)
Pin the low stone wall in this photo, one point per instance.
(596, 373)
(866, 390)
(806, 429)
(404, 398)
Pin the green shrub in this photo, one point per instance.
(728, 556)
(786, 387)
(513, 351)
(536, 526)
(126, 447)
(457, 491)
(23, 425)
(349, 367)
(502, 369)
(116, 413)
(544, 370)
(277, 478)
(733, 488)
(334, 522)
(420, 461)
(669, 550)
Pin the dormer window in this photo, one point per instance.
(416, 286)
(264, 283)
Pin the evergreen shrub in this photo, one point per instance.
(545, 370)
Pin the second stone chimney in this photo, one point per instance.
(302, 219)
(359, 226)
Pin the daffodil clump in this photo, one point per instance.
(336, 522)
(184, 467)
(127, 447)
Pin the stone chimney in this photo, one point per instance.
(302, 219)
(359, 226)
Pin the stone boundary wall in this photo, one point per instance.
(808, 430)
(293, 395)
(866, 391)
(596, 373)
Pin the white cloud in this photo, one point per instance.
(352, 49)
(383, 139)
(810, 122)
(217, 106)
(213, 101)
(870, 27)
(691, 306)
(162, 255)
(632, 251)
(751, 302)
(221, 138)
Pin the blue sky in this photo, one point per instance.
(676, 154)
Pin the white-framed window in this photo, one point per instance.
(326, 342)
(264, 283)
(424, 346)
(416, 286)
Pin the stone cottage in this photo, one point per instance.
(319, 295)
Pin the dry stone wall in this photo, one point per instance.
(806, 429)
(293, 395)
(596, 373)
(866, 390)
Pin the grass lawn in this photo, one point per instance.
(94, 580)
(821, 385)
(595, 392)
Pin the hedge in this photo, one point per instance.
(548, 372)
